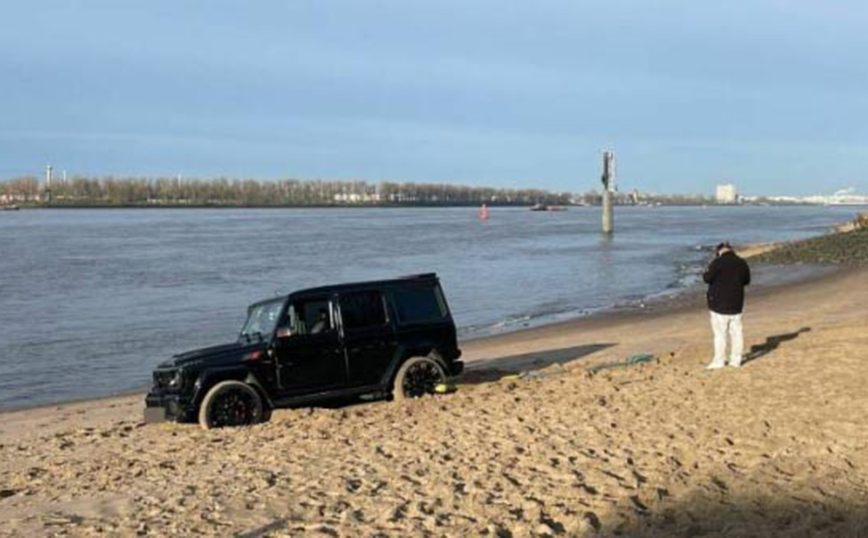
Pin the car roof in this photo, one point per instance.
(337, 288)
(349, 286)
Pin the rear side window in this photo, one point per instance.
(418, 304)
(362, 309)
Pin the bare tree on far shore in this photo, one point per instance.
(112, 191)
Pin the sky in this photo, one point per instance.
(767, 94)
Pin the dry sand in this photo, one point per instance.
(778, 447)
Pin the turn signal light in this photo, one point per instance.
(252, 356)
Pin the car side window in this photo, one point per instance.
(311, 317)
(362, 309)
(418, 304)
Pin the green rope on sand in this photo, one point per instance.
(630, 361)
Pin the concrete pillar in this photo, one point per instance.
(608, 191)
(608, 216)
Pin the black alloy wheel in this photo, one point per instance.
(420, 379)
(232, 407)
(230, 403)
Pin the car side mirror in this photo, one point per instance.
(283, 332)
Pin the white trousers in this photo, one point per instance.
(724, 325)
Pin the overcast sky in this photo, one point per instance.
(769, 95)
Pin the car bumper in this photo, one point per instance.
(160, 407)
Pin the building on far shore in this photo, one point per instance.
(726, 194)
(841, 197)
(357, 198)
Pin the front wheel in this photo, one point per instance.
(417, 377)
(230, 403)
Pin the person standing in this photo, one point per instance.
(726, 276)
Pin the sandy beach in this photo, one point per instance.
(778, 447)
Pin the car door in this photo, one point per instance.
(369, 339)
(308, 349)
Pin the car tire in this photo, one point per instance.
(417, 377)
(230, 403)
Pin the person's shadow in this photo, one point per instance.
(771, 344)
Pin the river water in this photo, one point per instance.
(91, 300)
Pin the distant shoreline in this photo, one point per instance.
(399, 205)
(300, 206)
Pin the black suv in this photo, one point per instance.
(391, 337)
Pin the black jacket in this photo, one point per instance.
(726, 278)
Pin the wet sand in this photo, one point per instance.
(777, 447)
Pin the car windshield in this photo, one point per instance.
(261, 321)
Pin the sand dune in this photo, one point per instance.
(776, 448)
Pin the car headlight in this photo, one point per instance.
(168, 379)
(177, 380)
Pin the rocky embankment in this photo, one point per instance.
(844, 248)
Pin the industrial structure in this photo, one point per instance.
(48, 177)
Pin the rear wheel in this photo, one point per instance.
(417, 377)
(230, 403)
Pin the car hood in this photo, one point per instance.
(214, 354)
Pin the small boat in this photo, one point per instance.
(9, 208)
(483, 213)
(544, 207)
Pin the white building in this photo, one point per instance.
(841, 197)
(357, 198)
(726, 194)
